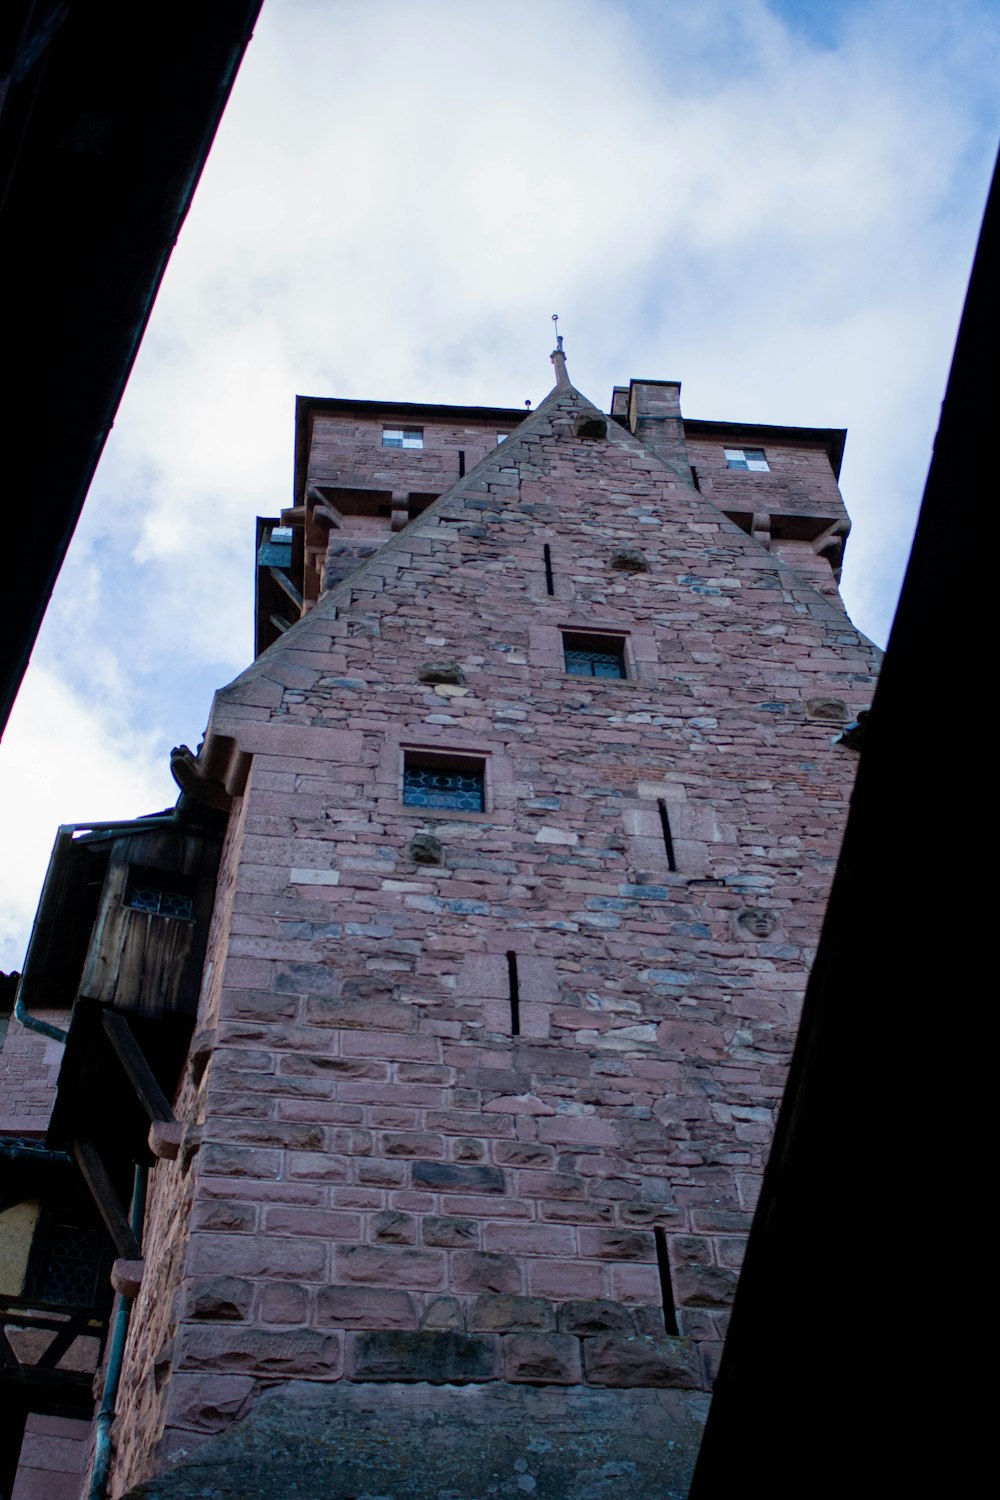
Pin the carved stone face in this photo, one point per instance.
(757, 922)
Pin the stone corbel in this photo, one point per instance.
(400, 510)
(760, 528)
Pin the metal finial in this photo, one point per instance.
(555, 319)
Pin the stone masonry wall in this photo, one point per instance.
(29, 1070)
(392, 1186)
(347, 451)
(164, 1293)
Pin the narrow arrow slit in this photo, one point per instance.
(515, 995)
(666, 1285)
(668, 842)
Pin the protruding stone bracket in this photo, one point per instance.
(165, 1137)
(400, 515)
(760, 528)
(126, 1276)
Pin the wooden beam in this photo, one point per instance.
(58, 1347)
(284, 582)
(96, 1177)
(140, 1075)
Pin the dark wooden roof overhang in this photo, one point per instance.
(103, 136)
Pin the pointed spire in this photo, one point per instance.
(558, 357)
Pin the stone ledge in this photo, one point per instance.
(405, 1442)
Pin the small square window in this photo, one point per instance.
(456, 782)
(747, 458)
(162, 893)
(402, 437)
(594, 655)
(502, 437)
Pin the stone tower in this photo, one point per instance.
(534, 794)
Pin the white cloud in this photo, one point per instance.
(775, 204)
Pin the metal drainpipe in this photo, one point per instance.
(116, 1353)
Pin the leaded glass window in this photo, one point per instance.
(594, 655)
(456, 784)
(70, 1274)
(162, 893)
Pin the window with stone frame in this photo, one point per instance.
(594, 655)
(752, 459)
(402, 437)
(455, 782)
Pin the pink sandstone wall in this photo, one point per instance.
(53, 1459)
(390, 1186)
(29, 1069)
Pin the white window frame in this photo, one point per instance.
(753, 460)
(402, 437)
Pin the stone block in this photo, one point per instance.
(478, 1271)
(450, 1233)
(610, 1359)
(224, 1298)
(360, 1012)
(444, 1312)
(542, 1358)
(443, 1357)
(704, 1286)
(165, 1138)
(417, 1143)
(284, 1302)
(310, 1438)
(501, 1312)
(299, 1352)
(448, 1177)
(595, 1315)
(364, 1307)
(126, 1276)
(617, 1244)
(396, 1266)
(392, 1228)
(208, 1403)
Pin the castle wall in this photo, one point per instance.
(393, 1186)
(29, 1071)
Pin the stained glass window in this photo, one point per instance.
(458, 785)
(71, 1267)
(163, 893)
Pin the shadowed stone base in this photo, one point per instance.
(426, 1442)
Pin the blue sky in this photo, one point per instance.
(775, 203)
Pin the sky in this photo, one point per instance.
(774, 201)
